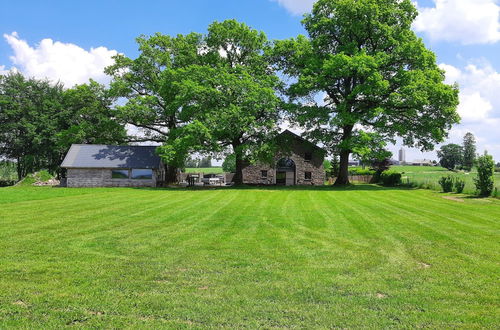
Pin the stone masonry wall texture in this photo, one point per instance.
(81, 177)
(252, 173)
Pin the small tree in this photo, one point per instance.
(459, 185)
(450, 156)
(469, 148)
(485, 170)
(446, 183)
(229, 164)
(335, 166)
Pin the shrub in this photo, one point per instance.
(446, 183)
(459, 185)
(389, 178)
(6, 183)
(484, 181)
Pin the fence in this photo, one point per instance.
(355, 178)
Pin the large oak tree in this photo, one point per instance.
(376, 76)
(157, 101)
(231, 97)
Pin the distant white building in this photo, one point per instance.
(402, 156)
(422, 162)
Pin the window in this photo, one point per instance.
(119, 174)
(308, 156)
(308, 176)
(263, 174)
(142, 174)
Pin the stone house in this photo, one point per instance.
(297, 162)
(113, 166)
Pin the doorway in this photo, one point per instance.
(285, 172)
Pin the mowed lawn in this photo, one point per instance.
(358, 257)
(429, 176)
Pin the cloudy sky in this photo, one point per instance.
(73, 41)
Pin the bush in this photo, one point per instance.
(6, 183)
(459, 185)
(389, 178)
(484, 181)
(446, 183)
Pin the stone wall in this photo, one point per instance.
(296, 151)
(252, 174)
(101, 177)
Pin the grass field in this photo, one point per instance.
(363, 256)
(208, 170)
(428, 177)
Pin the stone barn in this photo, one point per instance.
(113, 166)
(297, 162)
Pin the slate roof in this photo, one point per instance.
(106, 156)
(300, 138)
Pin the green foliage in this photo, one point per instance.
(335, 166)
(375, 72)
(212, 93)
(204, 162)
(40, 120)
(40, 176)
(469, 148)
(459, 185)
(7, 170)
(427, 177)
(485, 179)
(229, 164)
(390, 178)
(29, 113)
(233, 94)
(446, 183)
(450, 156)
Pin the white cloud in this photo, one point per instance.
(55, 60)
(473, 107)
(297, 7)
(463, 21)
(479, 85)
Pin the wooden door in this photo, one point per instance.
(290, 178)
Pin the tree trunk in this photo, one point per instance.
(343, 178)
(238, 176)
(171, 174)
(18, 168)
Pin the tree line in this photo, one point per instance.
(452, 156)
(356, 81)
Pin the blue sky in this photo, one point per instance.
(72, 41)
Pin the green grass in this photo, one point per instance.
(207, 170)
(428, 177)
(361, 257)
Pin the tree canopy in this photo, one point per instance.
(469, 147)
(39, 121)
(233, 103)
(375, 76)
(450, 156)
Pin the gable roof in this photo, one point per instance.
(300, 138)
(106, 156)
